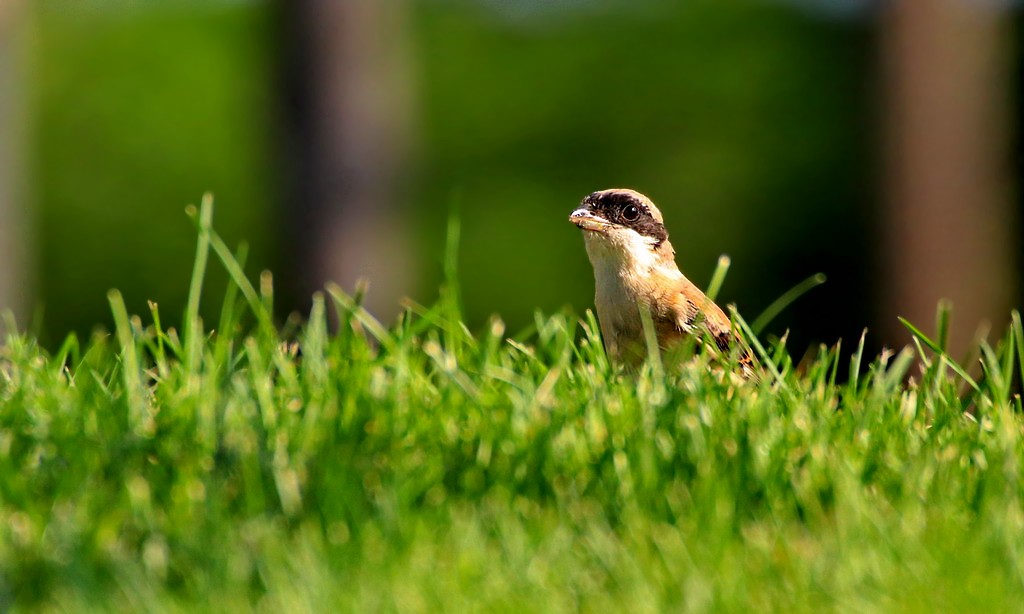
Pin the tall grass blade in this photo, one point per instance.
(856, 361)
(1017, 327)
(228, 316)
(834, 368)
(204, 221)
(1008, 352)
(943, 313)
(160, 354)
(237, 275)
(753, 341)
(362, 316)
(718, 277)
(786, 300)
(69, 354)
(452, 292)
(651, 341)
(933, 346)
(453, 237)
(993, 369)
(131, 369)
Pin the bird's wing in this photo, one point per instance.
(699, 312)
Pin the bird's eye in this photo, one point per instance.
(631, 213)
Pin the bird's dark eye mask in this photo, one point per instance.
(622, 209)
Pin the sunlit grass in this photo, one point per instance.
(421, 467)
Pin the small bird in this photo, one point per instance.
(635, 268)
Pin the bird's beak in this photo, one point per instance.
(586, 220)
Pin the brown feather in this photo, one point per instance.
(692, 312)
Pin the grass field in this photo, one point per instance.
(425, 467)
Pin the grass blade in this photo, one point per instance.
(753, 341)
(204, 220)
(786, 300)
(362, 316)
(718, 277)
(933, 346)
(942, 319)
(651, 341)
(856, 361)
(131, 369)
(1017, 327)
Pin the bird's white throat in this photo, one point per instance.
(619, 254)
(627, 268)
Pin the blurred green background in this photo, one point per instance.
(754, 124)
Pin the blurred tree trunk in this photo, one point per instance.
(348, 88)
(14, 242)
(948, 221)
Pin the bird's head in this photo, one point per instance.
(623, 225)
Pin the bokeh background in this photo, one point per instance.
(874, 142)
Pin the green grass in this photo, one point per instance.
(424, 467)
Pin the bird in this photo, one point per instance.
(635, 269)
